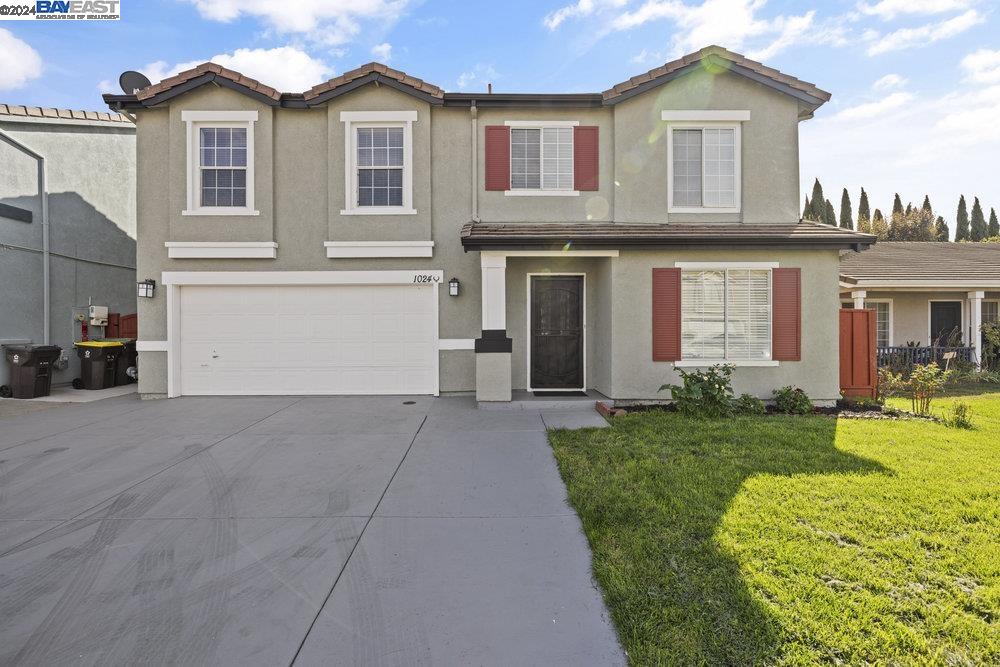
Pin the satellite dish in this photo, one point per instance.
(132, 82)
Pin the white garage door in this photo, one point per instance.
(308, 339)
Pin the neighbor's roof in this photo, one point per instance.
(20, 111)
(712, 58)
(658, 75)
(910, 262)
(486, 235)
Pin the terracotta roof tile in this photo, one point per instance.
(719, 52)
(206, 68)
(53, 112)
(379, 68)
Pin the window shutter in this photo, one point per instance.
(786, 314)
(585, 157)
(666, 314)
(497, 157)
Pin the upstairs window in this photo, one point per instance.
(380, 166)
(541, 158)
(726, 315)
(704, 168)
(378, 162)
(220, 162)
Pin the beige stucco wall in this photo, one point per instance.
(770, 149)
(910, 312)
(636, 376)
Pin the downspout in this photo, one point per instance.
(474, 111)
(43, 197)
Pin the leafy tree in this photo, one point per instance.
(941, 230)
(897, 204)
(806, 209)
(909, 208)
(846, 216)
(994, 227)
(962, 222)
(916, 224)
(829, 215)
(978, 232)
(879, 226)
(818, 209)
(927, 204)
(863, 210)
(864, 225)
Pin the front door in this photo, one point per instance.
(556, 326)
(946, 322)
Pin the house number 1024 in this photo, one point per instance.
(424, 278)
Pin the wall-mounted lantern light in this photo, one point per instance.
(145, 288)
(453, 287)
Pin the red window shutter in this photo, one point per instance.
(786, 314)
(585, 157)
(666, 314)
(497, 157)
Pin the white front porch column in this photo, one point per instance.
(493, 349)
(975, 323)
(859, 298)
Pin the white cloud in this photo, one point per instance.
(875, 109)
(982, 66)
(888, 82)
(286, 68)
(580, 8)
(19, 63)
(382, 52)
(890, 9)
(330, 22)
(480, 75)
(107, 86)
(906, 38)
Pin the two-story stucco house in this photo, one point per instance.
(377, 235)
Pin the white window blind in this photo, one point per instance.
(704, 167)
(726, 315)
(380, 166)
(541, 158)
(223, 166)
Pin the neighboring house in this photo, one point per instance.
(308, 243)
(925, 293)
(90, 181)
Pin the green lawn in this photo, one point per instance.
(794, 540)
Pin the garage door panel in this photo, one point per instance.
(317, 339)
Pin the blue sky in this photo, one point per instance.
(915, 83)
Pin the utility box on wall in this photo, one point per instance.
(98, 316)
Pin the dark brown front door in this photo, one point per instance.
(556, 332)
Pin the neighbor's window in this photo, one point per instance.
(380, 166)
(223, 166)
(991, 312)
(726, 315)
(541, 158)
(882, 324)
(704, 168)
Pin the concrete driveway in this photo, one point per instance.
(287, 530)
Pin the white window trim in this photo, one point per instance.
(193, 120)
(541, 192)
(737, 169)
(583, 323)
(355, 119)
(724, 266)
(996, 301)
(221, 249)
(890, 324)
(350, 249)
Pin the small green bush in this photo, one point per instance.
(749, 405)
(925, 383)
(792, 401)
(961, 416)
(706, 393)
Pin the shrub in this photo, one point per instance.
(890, 384)
(792, 401)
(747, 404)
(924, 384)
(705, 393)
(961, 416)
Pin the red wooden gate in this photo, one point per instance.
(858, 351)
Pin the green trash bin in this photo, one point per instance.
(30, 370)
(98, 360)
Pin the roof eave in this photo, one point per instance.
(378, 79)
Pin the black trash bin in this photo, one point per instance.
(98, 359)
(127, 358)
(30, 370)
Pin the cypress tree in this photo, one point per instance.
(962, 222)
(927, 203)
(846, 216)
(879, 227)
(818, 210)
(909, 209)
(978, 232)
(940, 230)
(994, 226)
(897, 205)
(829, 215)
(806, 209)
(863, 210)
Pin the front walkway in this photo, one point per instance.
(280, 530)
